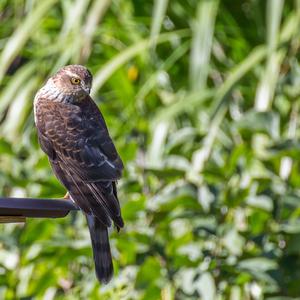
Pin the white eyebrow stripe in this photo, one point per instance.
(72, 74)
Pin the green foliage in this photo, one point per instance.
(202, 100)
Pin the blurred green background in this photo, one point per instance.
(202, 99)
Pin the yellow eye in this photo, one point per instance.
(75, 80)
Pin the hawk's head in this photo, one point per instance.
(70, 84)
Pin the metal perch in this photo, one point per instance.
(14, 210)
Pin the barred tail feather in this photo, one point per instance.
(101, 249)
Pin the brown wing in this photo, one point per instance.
(80, 138)
(82, 155)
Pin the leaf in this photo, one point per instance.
(206, 286)
(260, 122)
(258, 264)
(149, 273)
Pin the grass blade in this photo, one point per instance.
(170, 61)
(203, 32)
(109, 68)
(266, 87)
(218, 113)
(22, 34)
(10, 90)
(94, 17)
(220, 107)
(159, 11)
(18, 111)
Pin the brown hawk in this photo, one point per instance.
(73, 133)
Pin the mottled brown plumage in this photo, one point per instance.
(73, 133)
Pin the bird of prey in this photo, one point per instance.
(72, 132)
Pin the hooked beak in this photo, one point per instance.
(87, 89)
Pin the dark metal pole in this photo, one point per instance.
(18, 209)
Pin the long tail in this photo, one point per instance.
(101, 249)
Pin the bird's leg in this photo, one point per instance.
(66, 196)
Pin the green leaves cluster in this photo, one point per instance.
(202, 100)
